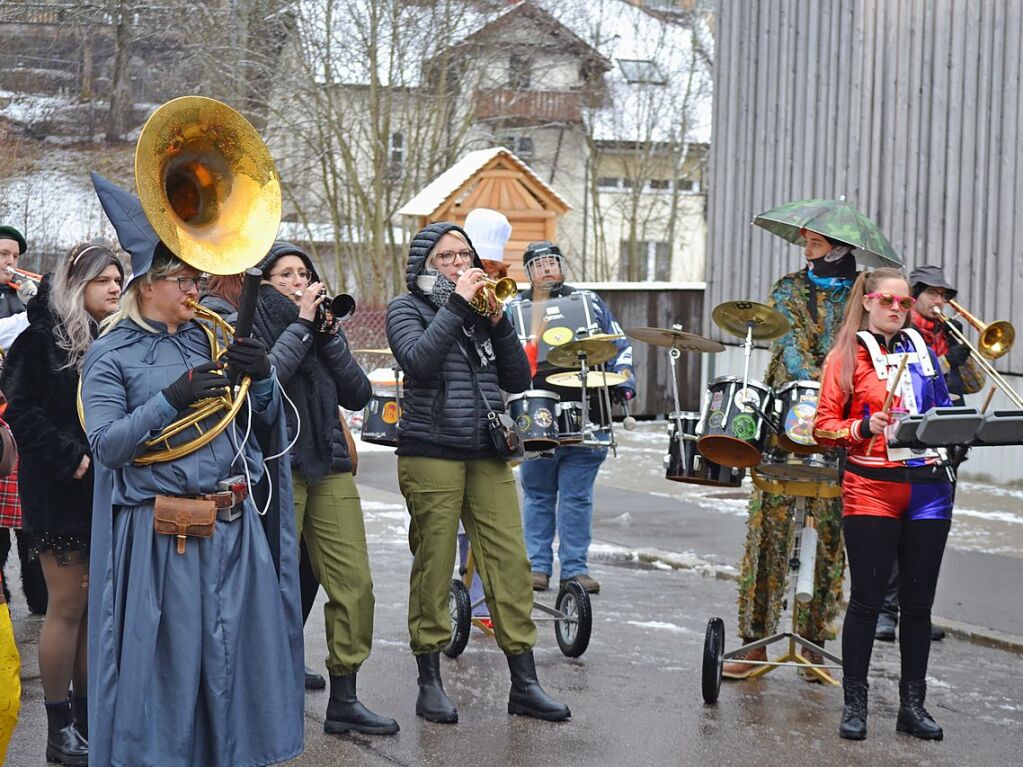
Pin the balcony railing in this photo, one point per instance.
(529, 106)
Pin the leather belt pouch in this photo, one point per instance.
(184, 518)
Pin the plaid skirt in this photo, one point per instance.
(10, 504)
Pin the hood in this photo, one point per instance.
(280, 249)
(134, 231)
(423, 242)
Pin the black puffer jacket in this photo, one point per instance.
(43, 416)
(443, 414)
(10, 303)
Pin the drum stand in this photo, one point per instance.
(673, 357)
(714, 657)
(588, 434)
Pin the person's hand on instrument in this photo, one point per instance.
(878, 421)
(622, 394)
(83, 466)
(248, 356)
(202, 381)
(469, 282)
(312, 296)
(957, 355)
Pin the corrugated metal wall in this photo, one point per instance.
(910, 108)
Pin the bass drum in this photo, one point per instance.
(684, 463)
(380, 420)
(796, 406)
(732, 429)
(535, 414)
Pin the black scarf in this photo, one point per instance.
(311, 389)
(475, 327)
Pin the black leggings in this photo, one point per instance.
(873, 543)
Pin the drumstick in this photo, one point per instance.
(891, 395)
(987, 400)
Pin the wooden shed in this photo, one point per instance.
(493, 178)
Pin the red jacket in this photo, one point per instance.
(842, 418)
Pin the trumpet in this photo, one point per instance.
(330, 311)
(502, 290)
(20, 278)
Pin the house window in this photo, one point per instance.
(608, 183)
(397, 151)
(687, 185)
(519, 72)
(653, 260)
(660, 184)
(641, 71)
(522, 146)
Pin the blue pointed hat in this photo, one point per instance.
(134, 231)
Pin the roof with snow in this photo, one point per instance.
(455, 180)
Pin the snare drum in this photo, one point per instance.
(380, 420)
(535, 414)
(684, 462)
(570, 423)
(732, 428)
(796, 405)
(780, 464)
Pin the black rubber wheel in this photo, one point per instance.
(574, 633)
(713, 659)
(461, 619)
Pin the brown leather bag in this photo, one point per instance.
(352, 452)
(184, 518)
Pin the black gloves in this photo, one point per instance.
(248, 357)
(198, 383)
(956, 356)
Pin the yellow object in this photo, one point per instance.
(208, 185)
(10, 681)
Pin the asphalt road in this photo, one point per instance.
(635, 693)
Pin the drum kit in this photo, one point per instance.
(380, 418)
(746, 425)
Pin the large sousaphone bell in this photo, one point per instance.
(211, 191)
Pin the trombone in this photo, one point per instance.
(996, 339)
(21, 276)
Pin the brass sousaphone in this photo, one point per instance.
(211, 191)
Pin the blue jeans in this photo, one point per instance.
(559, 491)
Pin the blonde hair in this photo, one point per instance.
(164, 264)
(856, 319)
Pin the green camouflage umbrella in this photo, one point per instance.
(836, 219)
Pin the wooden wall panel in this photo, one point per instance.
(911, 109)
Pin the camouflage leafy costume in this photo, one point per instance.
(798, 355)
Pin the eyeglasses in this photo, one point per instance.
(185, 283)
(887, 300)
(289, 274)
(448, 256)
(939, 293)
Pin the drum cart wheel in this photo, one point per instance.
(461, 619)
(573, 619)
(713, 659)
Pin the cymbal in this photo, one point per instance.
(373, 351)
(598, 350)
(595, 379)
(675, 339)
(735, 316)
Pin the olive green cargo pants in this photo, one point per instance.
(436, 491)
(329, 516)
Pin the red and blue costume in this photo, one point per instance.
(873, 484)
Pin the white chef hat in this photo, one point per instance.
(489, 232)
